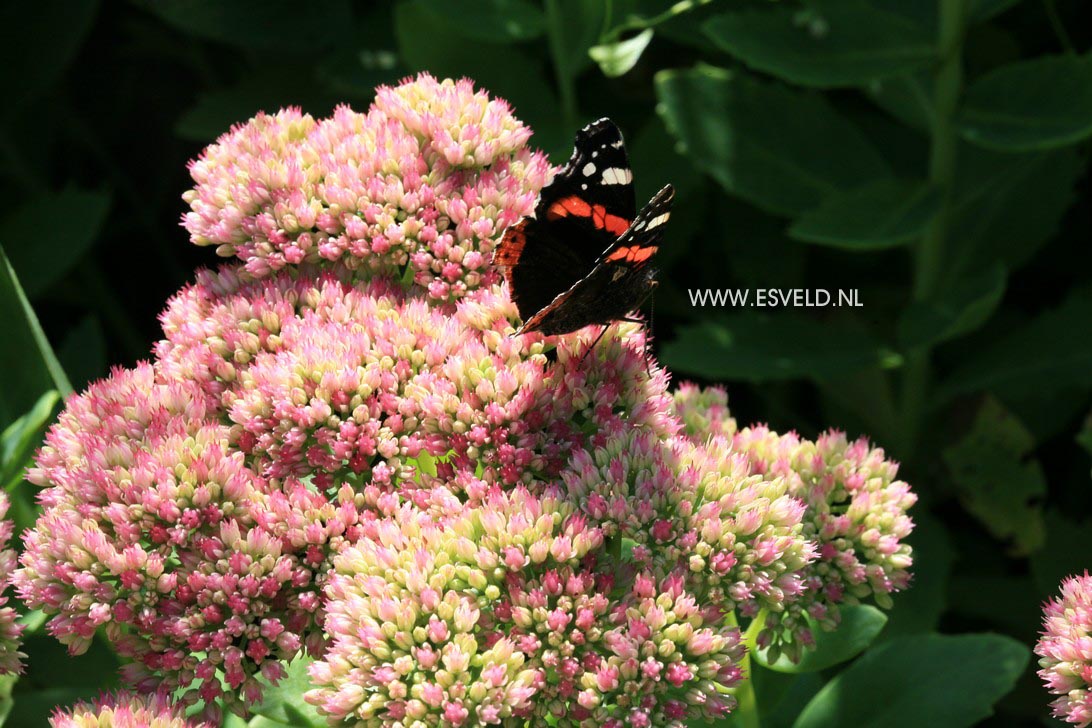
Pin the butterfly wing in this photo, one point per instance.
(579, 215)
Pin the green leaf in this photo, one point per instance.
(29, 366)
(1033, 104)
(831, 43)
(618, 59)
(962, 309)
(782, 696)
(859, 627)
(7, 702)
(44, 37)
(494, 21)
(982, 10)
(18, 441)
(579, 25)
(783, 150)
(938, 681)
(271, 24)
(42, 255)
(1007, 206)
(1065, 552)
(1041, 356)
(284, 702)
(907, 98)
(761, 348)
(881, 214)
(998, 483)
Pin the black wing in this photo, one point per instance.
(579, 215)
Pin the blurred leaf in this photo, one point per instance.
(284, 702)
(43, 254)
(43, 38)
(860, 625)
(1030, 105)
(1007, 205)
(998, 482)
(938, 681)
(580, 22)
(33, 709)
(881, 214)
(960, 310)
(1008, 603)
(830, 43)
(29, 366)
(1042, 355)
(1084, 437)
(783, 150)
(494, 21)
(519, 79)
(783, 696)
(917, 610)
(982, 10)
(617, 59)
(18, 440)
(82, 353)
(1064, 554)
(281, 25)
(907, 98)
(356, 72)
(762, 348)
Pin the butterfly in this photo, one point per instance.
(583, 257)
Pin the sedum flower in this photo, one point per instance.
(123, 710)
(153, 528)
(703, 411)
(500, 614)
(697, 509)
(1063, 650)
(425, 181)
(364, 384)
(855, 509)
(10, 630)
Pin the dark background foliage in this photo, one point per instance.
(937, 166)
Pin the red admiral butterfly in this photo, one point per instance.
(582, 258)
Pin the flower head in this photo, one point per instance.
(703, 411)
(428, 178)
(123, 710)
(1063, 650)
(10, 631)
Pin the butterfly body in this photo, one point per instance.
(583, 258)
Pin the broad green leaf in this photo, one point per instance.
(574, 26)
(881, 214)
(859, 627)
(982, 10)
(1044, 354)
(284, 702)
(29, 365)
(268, 24)
(997, 482)
(1006, 206)
(619, 58)
(493, 21)
(761, 348)
(907, 98)
(44, 36)
(960, 310)
(830, 43)
(18, 441)
(42, 255)
(1033, 104)
(782, 696)
(938, 681)
(7, 702)
(783, 150)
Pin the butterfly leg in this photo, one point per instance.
(592, 347)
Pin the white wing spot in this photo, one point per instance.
(617, 274)
(617, 176)
(595, 154)
(584, 186)
(589, 169)
(618, 144)
(658, 220)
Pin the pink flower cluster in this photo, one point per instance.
(1064, 656)
(502, 612)
(425, 181)
(11, 659)
(123, 710)
(459, 526)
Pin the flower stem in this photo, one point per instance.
(929, 258)
(746, 713)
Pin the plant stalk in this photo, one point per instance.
(746, 714)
